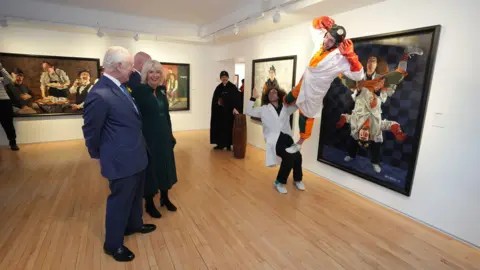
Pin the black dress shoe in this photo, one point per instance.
(168, 204)
(122, 254)
(14, 147)
(146, 228)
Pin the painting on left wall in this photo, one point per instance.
(49, 85)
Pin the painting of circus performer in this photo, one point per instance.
(372, 128)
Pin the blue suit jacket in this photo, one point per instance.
(113, 131)
(134, 80)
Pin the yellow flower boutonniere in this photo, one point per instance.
(129, 90)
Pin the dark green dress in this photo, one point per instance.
(157, 130)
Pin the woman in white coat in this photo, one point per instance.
(278, 135)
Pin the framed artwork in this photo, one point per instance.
(373, 128)
(49, 85)
(177, 82)
(278, 70)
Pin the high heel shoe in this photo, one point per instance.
(168, 204)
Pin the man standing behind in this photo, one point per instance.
(138, 61)
(113, 133)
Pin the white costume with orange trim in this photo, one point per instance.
(317, 80)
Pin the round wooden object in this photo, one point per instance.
(240, 136)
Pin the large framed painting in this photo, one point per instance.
(373, 128)
(49, 85)
(177, 82)
(278, 70)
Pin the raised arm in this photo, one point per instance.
(354, 69)
(7, 79)
(291, 109)
(318, 29)
(251, 110)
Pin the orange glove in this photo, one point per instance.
(323, 22)
(346, 49)
(397, 131)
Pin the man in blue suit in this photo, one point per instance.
(113, 134)
(138, 61)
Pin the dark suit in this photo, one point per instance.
(134, 81)
(113, 133)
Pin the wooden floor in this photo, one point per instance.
(230, 217)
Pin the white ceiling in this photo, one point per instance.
(187, 11)
(300, 14)
(173, 20)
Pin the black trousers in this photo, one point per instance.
(374, 150)
(289, 161)
(124, 208)
(6, 119)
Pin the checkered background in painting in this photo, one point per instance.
(402, 107)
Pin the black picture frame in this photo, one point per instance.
(416, 87)
(273, 61)
(30, 64)
(183, 85)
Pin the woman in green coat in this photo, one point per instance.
(157, 130)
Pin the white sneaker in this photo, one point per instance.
(294, 148)
(280, 187)
(376, 168)
(299, 185)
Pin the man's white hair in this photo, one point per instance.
(151, 65)
(115, 55)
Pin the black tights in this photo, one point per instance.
(164, 194)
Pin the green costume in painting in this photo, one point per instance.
(157, 130)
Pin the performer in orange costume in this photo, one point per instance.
(333, 55)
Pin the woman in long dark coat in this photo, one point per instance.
(157, 130)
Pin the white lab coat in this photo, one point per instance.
(272, 124)
(317, 80)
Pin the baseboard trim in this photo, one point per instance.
(389, 207)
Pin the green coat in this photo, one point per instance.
(157, 130)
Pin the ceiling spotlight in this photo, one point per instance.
(276, 17)
(136, 37)
(236, 30)
(3, 23)
(100, 33)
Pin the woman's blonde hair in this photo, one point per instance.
(149, 66)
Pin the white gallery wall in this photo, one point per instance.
(240, 71)
(446, 186)
(42, 42)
